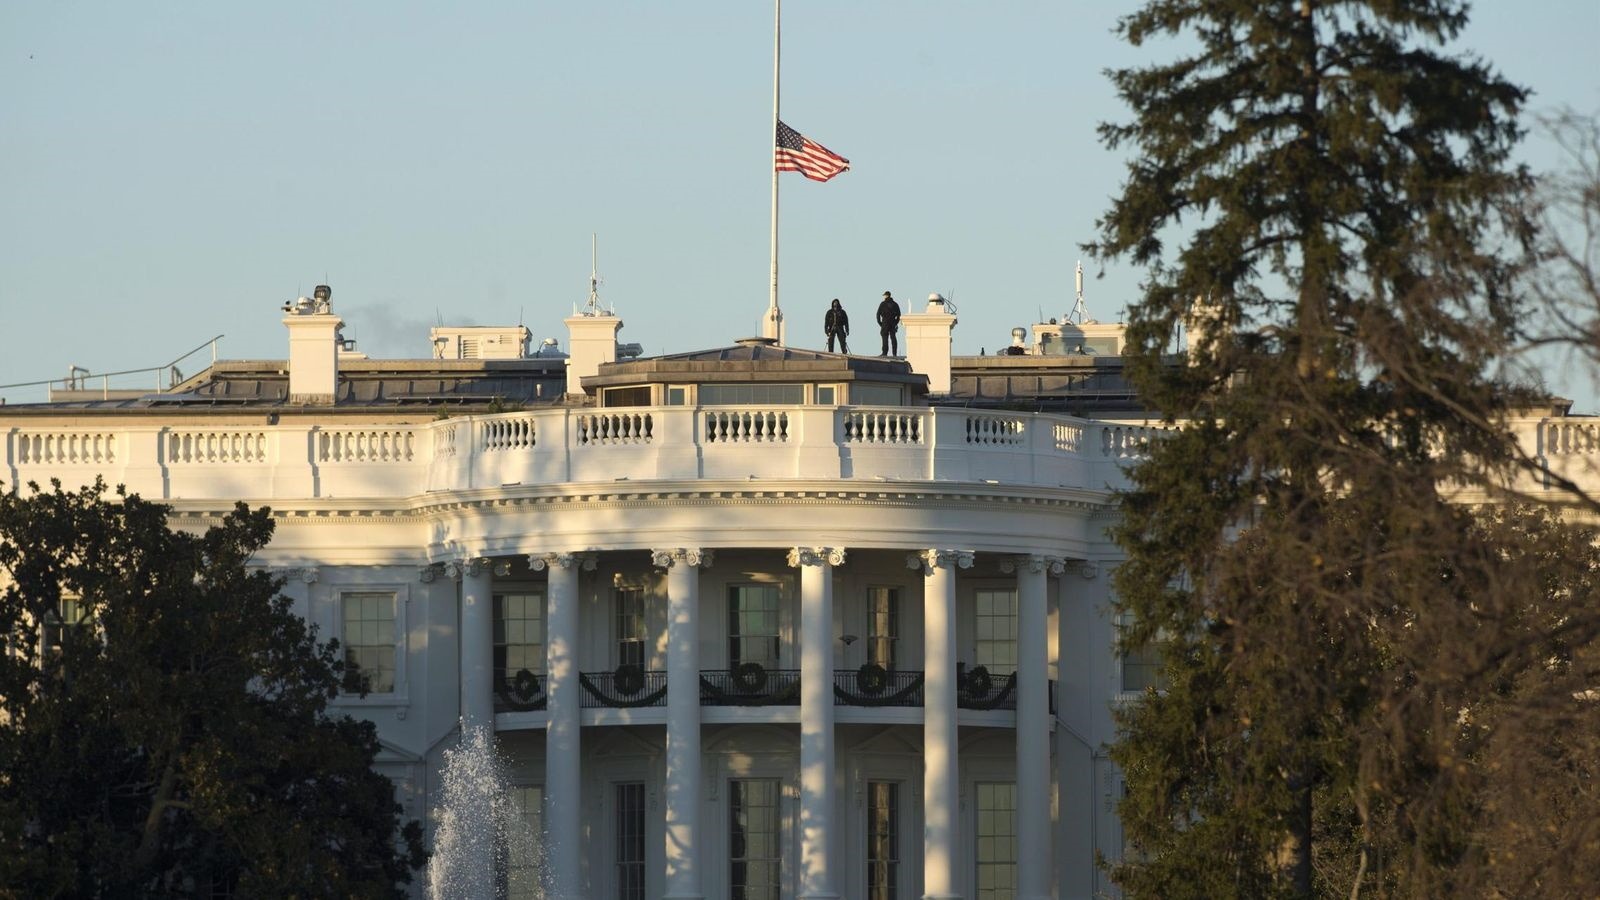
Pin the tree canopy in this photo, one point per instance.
(163, 717)
(1349, 626)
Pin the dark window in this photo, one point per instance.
(628, 396)
(883, 625)
(749, 394)
(755, 864)
(883, 840)
(630, 841)
(753, 624)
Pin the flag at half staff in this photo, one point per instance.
(798, 153)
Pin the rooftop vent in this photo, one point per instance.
(757, 342)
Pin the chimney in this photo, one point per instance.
(928, 339)
(591, 343)
(313, 348)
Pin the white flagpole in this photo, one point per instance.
(773, 327)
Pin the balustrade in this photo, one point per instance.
(595, 429)
(365, 446)
(745, 426)
(876, 426)
(509, 434)
(988, 429)
(66, 448)
(216, 447)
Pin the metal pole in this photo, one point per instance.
(773, 327)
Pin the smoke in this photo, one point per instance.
(381, 333)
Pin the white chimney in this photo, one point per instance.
(928, 339)
(313, 348)
(591, 343)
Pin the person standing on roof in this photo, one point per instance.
(836, 324)
(889, 325)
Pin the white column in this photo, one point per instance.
(941, 785)
(816, 718)
(563, 768)
(477, 644)
(1033, 725)
(683, 796)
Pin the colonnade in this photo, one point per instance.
(943, 849)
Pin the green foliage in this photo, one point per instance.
(173, 735)
(1342, 629)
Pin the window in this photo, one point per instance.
(883, 840)
(753, 624)
(627, 396)
(518, 635)
(630, 627)
(1141, 666)
(875, 394)
(825, 395)
(677, 396)
(369, 638)
(997, 841)
(70, 613)
(630, 841)
(996, 631)
(522, 862)
(755, 863)
(883, 625)
(748, 394)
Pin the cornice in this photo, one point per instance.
(951, 495)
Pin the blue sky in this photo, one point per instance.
(173, 171)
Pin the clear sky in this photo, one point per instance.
(172, 171)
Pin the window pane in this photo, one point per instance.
(753, 624)
(996, 844)
(883, 626)
(369, 641)
(518, 636)
(521, 851)
(995, 631)
(630, 841)
(755, 864)
(883, 829)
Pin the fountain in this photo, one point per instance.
(480, 829)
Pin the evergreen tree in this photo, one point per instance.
(163, 718)
(1336, 619)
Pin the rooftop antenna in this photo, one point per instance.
(594, 307)
(1080, 310)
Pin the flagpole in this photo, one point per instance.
(773, 327)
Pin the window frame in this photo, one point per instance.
(496, 593)
(979, 642)
(873, 638)
(734, 636)
(978, 838)
(778, 807)
(401, 594)
(618, 633)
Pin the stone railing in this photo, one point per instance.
(559, 446)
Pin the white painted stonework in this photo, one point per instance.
(638, 561)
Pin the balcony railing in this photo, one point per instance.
(750, 684)
(626, 687)
(977, 688)
(519, 691)
(873, 685)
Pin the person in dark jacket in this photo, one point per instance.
(889, 325)
(836, 324)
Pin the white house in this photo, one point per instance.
(748, 622)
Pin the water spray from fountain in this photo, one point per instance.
(480, 830)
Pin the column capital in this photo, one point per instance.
(305, 574)
(1089, 569)
(538, 562)
(428, 572)
(816, 556)
(464, 566)
(688, 556)
(1033, 562)
(928, 560)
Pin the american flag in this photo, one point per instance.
(798, 153)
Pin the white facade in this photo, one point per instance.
(717, 643)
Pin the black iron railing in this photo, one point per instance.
(519, 691)
(873, 685)
(750, 684)
(977, 688)
(626, 687)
